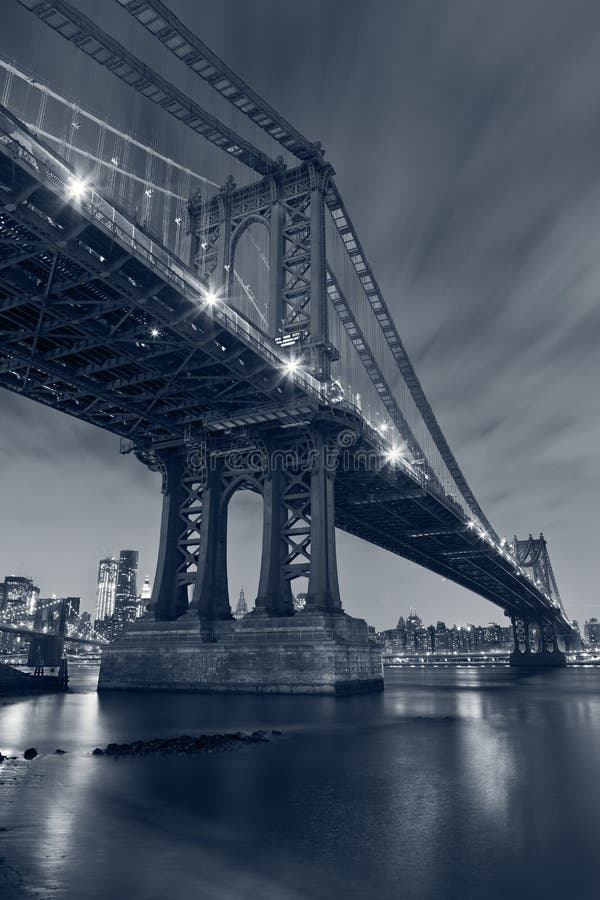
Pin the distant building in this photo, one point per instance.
(591, 631)
(299, 602)
(413, 627)
(144, 599)
(73, 609)
(125, 609)
(241, 608)
(107, 587)
(18, 597)
(412, 637)
(441, 638)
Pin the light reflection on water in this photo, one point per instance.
(463, 783)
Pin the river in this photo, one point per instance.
(453, 783)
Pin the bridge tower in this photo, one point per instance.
(319, 649)
(48, 649)
(536, 638)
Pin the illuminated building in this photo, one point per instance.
(125, 608)
(18, 596)
(107, 587)
(241, 608)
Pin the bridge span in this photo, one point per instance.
(221, 390)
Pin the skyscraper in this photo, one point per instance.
(126, 590)
(144, 599)
(241, 608)
(18, 595)
(107, 586)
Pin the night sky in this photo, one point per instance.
(465, 140)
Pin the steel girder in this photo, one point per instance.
(77, 28)
(101, 299)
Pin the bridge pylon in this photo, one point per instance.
(189, 638)
(536, 643)
(536, 638)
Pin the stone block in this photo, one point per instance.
(307, 653)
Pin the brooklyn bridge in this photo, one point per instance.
(227, 325)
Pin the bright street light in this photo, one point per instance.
(76, 188)
(393, 454)
(291, 367)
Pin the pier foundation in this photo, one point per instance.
(307, 653)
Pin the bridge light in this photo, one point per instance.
(471, 524)
(210, 298)
(291, 367)
(154, 332)
(393, 454)
(76, 187)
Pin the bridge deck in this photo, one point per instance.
(99, 321)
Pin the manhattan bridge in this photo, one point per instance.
(224, 321)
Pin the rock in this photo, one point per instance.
(185, 744)
(275, 732)
(60, 752)
(30, 753)
(2, 758)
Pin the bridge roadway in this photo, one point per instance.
(30, 632)
(100, 321)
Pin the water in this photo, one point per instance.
(461, 783)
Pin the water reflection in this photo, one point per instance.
(452, 783)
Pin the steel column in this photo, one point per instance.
(323, 588)
(274, 590)
(318, 276)
(276, 310)
(169, 599)
(211, 593)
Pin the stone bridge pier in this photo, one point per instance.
(188, 639)
(536, 643)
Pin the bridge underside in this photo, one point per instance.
(98, 322)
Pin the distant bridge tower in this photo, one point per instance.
(533, 554)
(535, 637)
(48, 649)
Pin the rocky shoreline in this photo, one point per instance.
(185, 744)
(16, 683)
